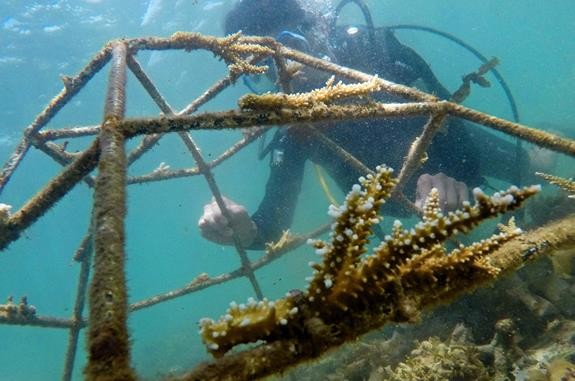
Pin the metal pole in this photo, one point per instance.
(108, 340)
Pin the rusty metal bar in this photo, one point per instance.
(85, 253)
(108, 339)
(56, 152)
(72, 85)
(38, 321)
(417, 150)
(239, 119)
(49, 195)
(13, 161)
(203, 281)
(69, 132)
(209, 94)
(188, 172)
(204, 169)
(235, 119)
(532, 135)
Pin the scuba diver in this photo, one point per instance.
(453, 158)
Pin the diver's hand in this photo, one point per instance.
(216, 228)
(452, 193)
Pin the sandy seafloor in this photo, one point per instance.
(41, 40)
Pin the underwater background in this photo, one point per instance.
(41, 40)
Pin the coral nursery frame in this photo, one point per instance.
(108, 341)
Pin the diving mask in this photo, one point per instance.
(268, 81)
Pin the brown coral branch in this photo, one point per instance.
(328, 94)
(356, 75)
(404, 275)
(567, 185)
(345, 283)
(234, 49)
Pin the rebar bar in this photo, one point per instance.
(38, 321)
(108, 339)
(69, 132)
(84, 254)
(207, 173)
(204, 169)
(203, 280)
(49, 195)
(72, 85)
(417, 150)
(235, 119)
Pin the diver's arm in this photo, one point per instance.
(275, 212)
(422, 70)
(414, 66)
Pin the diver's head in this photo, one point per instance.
(293, 23)
(267, 17)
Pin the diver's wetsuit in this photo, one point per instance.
(374, 142)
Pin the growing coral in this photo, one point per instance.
(352, 292)
(434, 360)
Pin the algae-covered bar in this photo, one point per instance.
(369, 278)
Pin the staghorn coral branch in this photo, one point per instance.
(231, 49)
(408, 272)
(350, 233)
(322, 96)
(567, 185)
(347, 287)
(356, 75)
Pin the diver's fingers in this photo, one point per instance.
(213, 216)
(424, 185)
(213, 228)
(462, 193)
(451, 195)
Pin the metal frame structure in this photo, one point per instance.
(109, 308)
